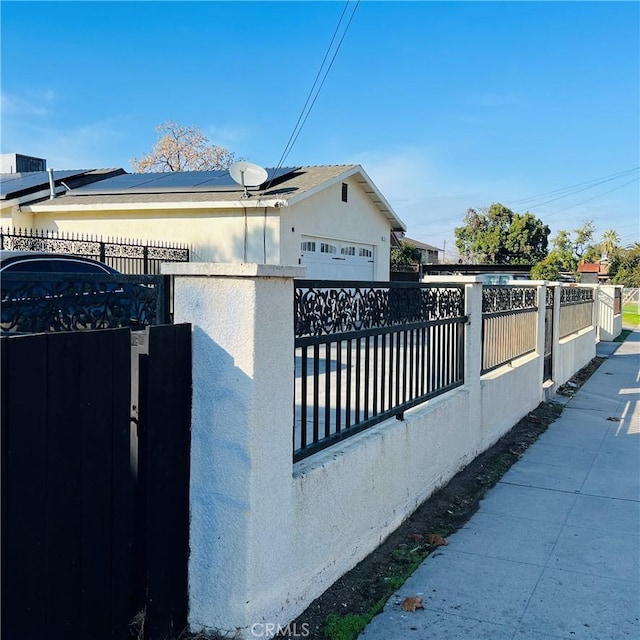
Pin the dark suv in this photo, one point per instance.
(41, 262)
(60, 292)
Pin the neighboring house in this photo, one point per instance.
(428, 253)
(594, 272)
(23, 188)
(331, 219)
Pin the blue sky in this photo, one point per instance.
(446, 105)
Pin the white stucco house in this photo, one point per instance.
(331, 219)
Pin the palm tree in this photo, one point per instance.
(610, 241)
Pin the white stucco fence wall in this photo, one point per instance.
(609, 322)
(266, 536)
(574, 351)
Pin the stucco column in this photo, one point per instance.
(241, 441)
(541, 292)
(473, 356)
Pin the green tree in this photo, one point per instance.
(624, 267)
(568, 250)
(550, 268)
(583, 239)
(182, 148)
(406, 255)
(501, 236)
(609, 243)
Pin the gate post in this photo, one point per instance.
(241, 444)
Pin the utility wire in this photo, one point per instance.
(553, 213)
(533, 201)
(311, 98)
(324, 78)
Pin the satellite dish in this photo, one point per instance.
(247, 174)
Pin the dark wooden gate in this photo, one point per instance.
(86, 541)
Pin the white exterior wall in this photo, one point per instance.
(224, 236)
(241, 485)
(325, 215)
(511, 391)
(350, 497)
(267, 536)
(609, 323)
(574, 351)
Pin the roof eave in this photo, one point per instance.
(53, 206)
(368, 187)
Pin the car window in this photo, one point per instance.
(75, 266)
(41, 266)
(53, 266)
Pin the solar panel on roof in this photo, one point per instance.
(11, 183)
(190, 178)
(117, 184)
(171, 182)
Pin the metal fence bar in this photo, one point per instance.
(387, 347)
(127, 256)
(576, 309)
(509, 324)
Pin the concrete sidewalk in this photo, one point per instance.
(554, 550)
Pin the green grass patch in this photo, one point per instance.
(404, 561)
(351, 625)
(630, 315)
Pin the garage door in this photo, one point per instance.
(334, 260)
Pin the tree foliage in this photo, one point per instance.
(182, 148)
(501, 236)
(569, 249)
(609, 244)
(407, 254)
(624, 267)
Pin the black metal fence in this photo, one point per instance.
(127, 256)
(367, 351)
(39, 302)
(509, 324)
(576, 309)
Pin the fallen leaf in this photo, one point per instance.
(416, 537)
(436, 541)
(412, 603)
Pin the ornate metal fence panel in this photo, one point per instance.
(509, 324)
(368, 351)
(34, 303)
(576, 309)
(127, 256)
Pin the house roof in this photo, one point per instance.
(286, 190)
(422, 245)
(34, 185)
(589, 267)
(400, 237)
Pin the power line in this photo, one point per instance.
(553, 213)
(534, 201)
(311, 98)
